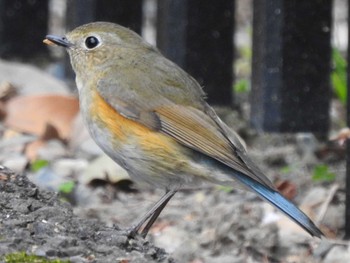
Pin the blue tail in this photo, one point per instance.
(276, 199)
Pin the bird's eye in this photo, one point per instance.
(91, 42)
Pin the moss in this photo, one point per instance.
(20, 257)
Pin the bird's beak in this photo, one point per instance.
(56, 40)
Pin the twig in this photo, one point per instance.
(326, 203)
(339, 242)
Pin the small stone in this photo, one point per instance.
(69, 168)
(16, 163)
(105, 169)
(335, 216)
(52, 150)
(48, 179)
(338, 254)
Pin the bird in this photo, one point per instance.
(152, 118)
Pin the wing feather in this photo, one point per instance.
(177, 109)
(198, 131)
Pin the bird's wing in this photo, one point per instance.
(196, 127)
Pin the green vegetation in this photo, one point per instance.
(321, 173)
(23, 257)
(38, 164)
(242, 69)
(225, 188)
(286, 169)
(338, 76)
(242, 86)
(67, 187)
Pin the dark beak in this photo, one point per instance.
(59, 41)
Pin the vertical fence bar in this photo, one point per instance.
(198, 35)
(347, 180)
(124, 12)
(23, 24)
(291, 65)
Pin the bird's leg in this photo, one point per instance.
(151, 215)
(156, 214)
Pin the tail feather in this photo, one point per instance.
(280, 202)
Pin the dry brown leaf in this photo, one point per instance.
(342, 136)
(50, 132)
(32, 114)
(287, 189)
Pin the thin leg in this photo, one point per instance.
(152, 214)
(155, 215)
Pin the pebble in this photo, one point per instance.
(69, 167)
(335, 216)
(103, 168)
(47, 178)
(16, 163)
(52, 150)
(338, 254)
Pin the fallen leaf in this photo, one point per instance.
(332, 150)
(33, 114)
(50, 132)
(342, 136)
(287, 189)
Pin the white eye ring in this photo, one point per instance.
(92, 42)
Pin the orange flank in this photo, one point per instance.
(125, 129)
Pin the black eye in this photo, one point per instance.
(91, 42)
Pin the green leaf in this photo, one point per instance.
(246, 52)
(286, 169)
(67, 187)
(38, 164)
(24, 257)
(241, 86)
(225, 188)
(338, 76)
(321, 173)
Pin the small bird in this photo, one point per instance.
(151, 117)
